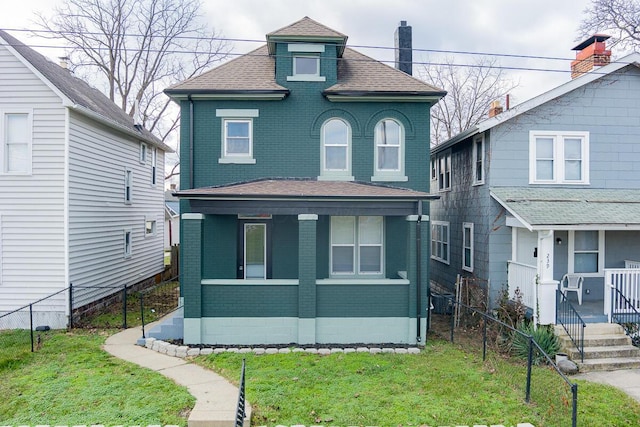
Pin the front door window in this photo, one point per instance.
(255, 255)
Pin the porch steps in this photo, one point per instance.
(606, 348)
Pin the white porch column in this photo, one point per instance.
(546, 285)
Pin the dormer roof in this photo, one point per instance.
(306, 30)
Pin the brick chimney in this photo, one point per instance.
(590, 53)
(404, 52)
(495, 109)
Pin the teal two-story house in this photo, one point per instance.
(304, 195)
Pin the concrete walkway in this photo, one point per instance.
(627, 380)
(216, 398)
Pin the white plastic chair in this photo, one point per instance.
(572, 282)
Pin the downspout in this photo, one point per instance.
(418, 271)
(190, 143)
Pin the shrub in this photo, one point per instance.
(542, 335)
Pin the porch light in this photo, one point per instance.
(558, 240)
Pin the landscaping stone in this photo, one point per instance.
(402, 351)
(206, 351)
(324, 351)
(362, 350)
(337, 350)
(413, 350)
(388, 350)
(284, 351)
(375, 350)
(568, 367)
(149, 342)
(181, 351)
(311, 350)
(219, 350)
(259, 350)
(197, 351)
(171, 350)
(271, 350)
(298, 350)
(349, 350)
(244, 350)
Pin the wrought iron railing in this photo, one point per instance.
(240, 409)
(624, 313)
(568, 317)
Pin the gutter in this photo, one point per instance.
(190, 142)
(418, 271)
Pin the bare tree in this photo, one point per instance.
(618, 18)
(470, 91)
(133, 49)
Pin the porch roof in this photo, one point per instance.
(571, 208)
(305, 195)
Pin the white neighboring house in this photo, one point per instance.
(82, 189)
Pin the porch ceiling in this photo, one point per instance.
(571, 208)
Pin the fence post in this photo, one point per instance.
(70, 306)
(484, 339)
(124, 307)
(142, 312)
(453, 316)
(529, 363)
(574, 412)
(31, 324)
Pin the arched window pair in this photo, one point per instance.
(388, 150)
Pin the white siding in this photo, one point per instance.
(32, 228)
(98, 214)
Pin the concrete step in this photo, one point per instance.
(594, 329)
(608, 364)
(606, 352)
(597, 340)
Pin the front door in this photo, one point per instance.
(253, 251)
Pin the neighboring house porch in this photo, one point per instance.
(591, 233)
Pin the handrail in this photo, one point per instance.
(629, 319)
(569, 318)
(532, 343)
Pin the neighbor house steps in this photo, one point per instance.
(606, 348)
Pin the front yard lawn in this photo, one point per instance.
(441, 386)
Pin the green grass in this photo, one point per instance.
(441, 386)
(70, 380)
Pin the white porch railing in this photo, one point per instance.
(627, 281)
(523, 277)
(631, 264)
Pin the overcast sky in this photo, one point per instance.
(542, 28)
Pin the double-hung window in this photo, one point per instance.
(389, 151)
(15, 147)
(128, 185)
(305, 64)
(154, 165)
(357, 245)
(467, 246)
(586, 252)
(478, 160)
(558, 157)
(336, 150)
(237, 135)
(444, 171)
(128, 243)
(440, 241)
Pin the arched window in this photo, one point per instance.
(336, 150)
(389, 151)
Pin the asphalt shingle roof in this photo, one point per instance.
(571, 207)
(78, 91)
(307, 27)
(305, 188)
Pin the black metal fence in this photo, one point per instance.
(624, 313)
(240, 408)
(25, 328)
(570, 320)
(496, 338)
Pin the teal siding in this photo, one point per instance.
(395, 246)
(344, 300)
(284, 247)
(220, 241)
(249, 301)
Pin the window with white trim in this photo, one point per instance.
(586, 252)
(557, 157)
(128, 185)
(16, 143)
(143, 152)
(149, 227)
(336, 150)
(444, 171)
(305, 62)
(128, 243)
(357, 246)
(478, 160)
(154, 165)
(434, 169)
(440, 241)
(389, 151)
(237, 135)
(467, 246)
(306, 65)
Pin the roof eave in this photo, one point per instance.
(222, 197)
(261, 94)
(384, 96)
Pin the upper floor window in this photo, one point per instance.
(305, 62)
(558, 157)
(237, 135)
(128, 185)
(356, 245)
(434, 169)
(128, 243)
(149, 227)
(154, 165)
(444, 171)
(15, 147)
(478, 160)
(336, 150)
(440, 241)
(143, 152)
(389, 151)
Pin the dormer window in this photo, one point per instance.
(305, 62)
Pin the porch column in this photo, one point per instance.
(546, 285)
(307, 278)
(191, 257)
(417, 307)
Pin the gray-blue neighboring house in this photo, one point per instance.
(547, 188)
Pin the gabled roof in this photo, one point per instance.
(253, 74)
(76, 93)
(304, 188)
(307, 30)
(629, 60)
(571, 208)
